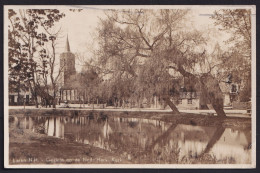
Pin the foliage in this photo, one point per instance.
(88, 81)
(28, 38)
(154, 49)
(237, 60)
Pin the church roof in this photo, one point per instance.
(67, 46)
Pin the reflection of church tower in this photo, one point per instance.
(67, 64)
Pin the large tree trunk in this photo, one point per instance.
(54, 102)
(212, 93)
(219, 110)
(209, 88)
(34, 93)
(54, 96)
(36, 100)
(18, 99)
(172, 106)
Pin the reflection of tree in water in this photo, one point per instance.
(85, 129)
(157, 155)
(167, 147)
(130, 138)
(234, 137)
(162, 138)
(216, 136)
(145, 142)
(132, 124)
(141, 141)
(36, 124)
(248, 135)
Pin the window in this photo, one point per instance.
(27, 98)
(68, 95)
(72, 94)
(180, 101)
(234, 88)
(64, 94)
(189, 101)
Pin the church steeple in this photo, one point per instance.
(67, 46)
(67, 64)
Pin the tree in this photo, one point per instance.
(133, 43)
(52, 64)
(17, 71)
(30, 27)
(237, 61)
(87, 83)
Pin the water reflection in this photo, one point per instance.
(147, 141)
(54, 127)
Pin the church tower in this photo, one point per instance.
(67, 65)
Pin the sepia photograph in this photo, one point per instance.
(139, 86)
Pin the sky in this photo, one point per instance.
(81, 26)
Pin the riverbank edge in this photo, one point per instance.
(181, 118)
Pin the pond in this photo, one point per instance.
(146, 140)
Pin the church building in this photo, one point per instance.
(68, 79)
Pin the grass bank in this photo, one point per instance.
(27, 147)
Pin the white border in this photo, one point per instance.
(253, 84)
(6, 96)
(149, 166)
(105, 7)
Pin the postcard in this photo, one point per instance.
(140, 86)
